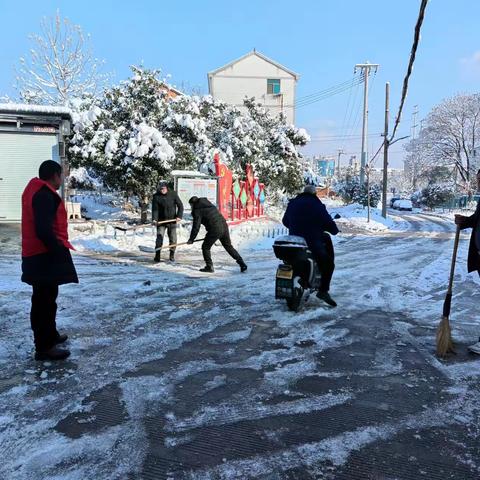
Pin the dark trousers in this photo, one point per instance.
(325, 258)
(43, 315)
(171, 229)
(224, 238)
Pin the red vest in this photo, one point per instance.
(31, 244)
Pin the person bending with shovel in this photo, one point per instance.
(473, 263)
(166, 205)
(206, 214)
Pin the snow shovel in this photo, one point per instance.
(125, 229)
(144, 249)
(444, 332)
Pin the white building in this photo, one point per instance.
(255, 75)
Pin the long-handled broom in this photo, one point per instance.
(444, 332)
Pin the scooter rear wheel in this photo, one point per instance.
(293, 303)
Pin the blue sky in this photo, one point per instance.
(319, 39)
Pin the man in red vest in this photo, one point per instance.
(46, 259)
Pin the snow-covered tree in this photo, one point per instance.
(119, 138)
(450, 137)
(136, 135)
(60, 65)
(279, 163)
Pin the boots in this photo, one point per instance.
(172, 255)
(53, 353)
(62, 338)
(243, 266)
(207, 269)
(325, 296)
(157, 257)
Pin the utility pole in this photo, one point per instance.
(385, 150)
(414, 128)
(340, 152)
(414, 121)
(365, 68)
(367, 172)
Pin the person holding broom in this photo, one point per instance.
(473, 263)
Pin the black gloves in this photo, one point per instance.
(190, 241)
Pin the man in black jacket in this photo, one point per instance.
(166, 205)
(46, 259)
(206, 214)
(307, 217)
(473, 263)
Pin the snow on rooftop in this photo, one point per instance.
(30, 108)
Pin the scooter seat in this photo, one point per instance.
(293, 240)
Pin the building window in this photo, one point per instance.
(273, 86)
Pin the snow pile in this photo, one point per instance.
(104, 206)
(30, 108)
(356, 216)
(104, 238)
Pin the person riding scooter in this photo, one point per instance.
(307, 217)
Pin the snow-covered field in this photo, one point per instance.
(163, 357)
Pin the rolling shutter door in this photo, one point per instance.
(20, 156)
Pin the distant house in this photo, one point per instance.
(255, 75)
(171, 92)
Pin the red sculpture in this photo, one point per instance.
(240, 199)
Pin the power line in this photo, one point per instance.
(347, 120)
(321, 96)
(356, 117)
(345, 83)
(343, 136)
(330, 94)
(413, 53)
(348, 105)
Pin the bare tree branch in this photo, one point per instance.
(449, 138)
(60, 66)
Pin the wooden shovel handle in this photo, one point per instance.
(178, 244)
(125, 229)
(165, 221)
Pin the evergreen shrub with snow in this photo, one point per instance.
(351, 191)
(436, 195)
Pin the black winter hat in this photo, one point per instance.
(162, 184)
(193, 200)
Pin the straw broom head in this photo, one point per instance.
(444, 338)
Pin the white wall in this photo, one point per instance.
(248, 77)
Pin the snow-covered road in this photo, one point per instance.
(175, 375)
